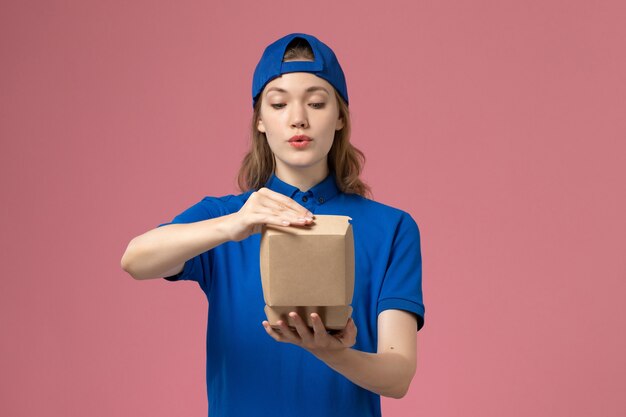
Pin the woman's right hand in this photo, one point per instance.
(266, 207)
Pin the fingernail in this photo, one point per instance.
(309, 214)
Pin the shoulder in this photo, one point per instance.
(225, 204)
(211, 206)
(385, 213)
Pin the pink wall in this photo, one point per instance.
(499, 125)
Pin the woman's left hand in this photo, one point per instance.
(318, 342)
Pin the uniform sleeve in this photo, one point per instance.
(402, 283)
(199, 267)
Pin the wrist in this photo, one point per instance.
(224, 227)
(330, 357)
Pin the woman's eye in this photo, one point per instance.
(314, 105)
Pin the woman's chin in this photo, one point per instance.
(302, 163)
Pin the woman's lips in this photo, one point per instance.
(300, 141)
(299, 138)
(300, 144)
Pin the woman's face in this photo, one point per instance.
(296, 111)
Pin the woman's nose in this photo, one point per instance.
(299, 123)
(298, 118)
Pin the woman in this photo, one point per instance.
(301, 163)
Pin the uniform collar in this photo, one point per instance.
(320, 193)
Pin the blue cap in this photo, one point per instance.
(325, 65)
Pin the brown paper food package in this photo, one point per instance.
(309, 269)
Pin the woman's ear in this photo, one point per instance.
(339, 124)
(260, 127)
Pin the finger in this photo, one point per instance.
(291, 215)
(349, 333)
(288, 334)
(350, 327)
(271, 332)
(267, 215)
(302, 328)
(282, 206)
(343, 333)
(279, 201)
(320, 329)
(279, 221)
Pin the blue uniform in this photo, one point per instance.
(250, 374)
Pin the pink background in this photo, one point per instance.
(499, 125)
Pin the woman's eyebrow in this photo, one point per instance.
(308, 90)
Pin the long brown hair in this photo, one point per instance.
(344, 159)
